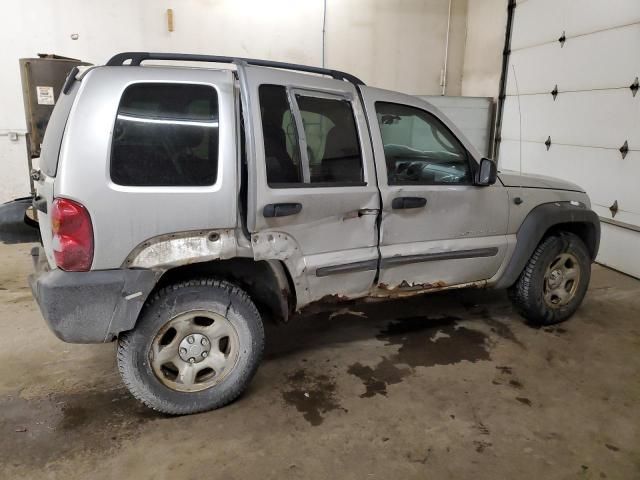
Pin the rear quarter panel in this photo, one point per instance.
(124, 217)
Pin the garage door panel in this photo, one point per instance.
(621, 216)
(543, 21)
(620, 249)
(536, 22)
(586, 16)
(576, 118)
(585, 63)
(603, 173)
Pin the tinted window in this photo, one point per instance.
(333, 150)
(419, 149)
(332, 140)
(281, 150)
(166, 135)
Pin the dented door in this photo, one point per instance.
(316, 197)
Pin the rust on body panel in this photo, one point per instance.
(183, 248)
(408, 289)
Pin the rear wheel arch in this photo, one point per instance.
(267, 282)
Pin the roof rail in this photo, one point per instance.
(136, 58)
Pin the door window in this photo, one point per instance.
(333, 149)
(281, 151)
(419, 149)
(332, 157)
(166, 135)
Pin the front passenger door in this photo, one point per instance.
(438, 228)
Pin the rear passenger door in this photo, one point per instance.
(316, 197)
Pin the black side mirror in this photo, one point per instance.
(487, 173)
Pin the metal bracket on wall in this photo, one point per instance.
(624, 149)
(554, 92)
(562, 39)
(548, 142)
(634, 87)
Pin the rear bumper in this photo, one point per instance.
(89, 307)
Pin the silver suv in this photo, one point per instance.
(180, 207)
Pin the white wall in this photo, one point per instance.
(395, 44)
(486, 24)
(399, 45)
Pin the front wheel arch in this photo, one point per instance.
(547, 220)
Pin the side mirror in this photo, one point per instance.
(488, 172)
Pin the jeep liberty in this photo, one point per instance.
(179, 207)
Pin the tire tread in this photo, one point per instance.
(134, 383)
(524, 293)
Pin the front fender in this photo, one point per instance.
(538, 222)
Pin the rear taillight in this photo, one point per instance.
(72, 235)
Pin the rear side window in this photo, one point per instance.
(166, 135)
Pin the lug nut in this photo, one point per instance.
(192, 360)
(204, 341)
(204, 354)
(183, 351)
(190, 339)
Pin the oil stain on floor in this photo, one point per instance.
(421, 342)
(376, 379)
(312, 395)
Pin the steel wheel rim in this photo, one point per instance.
(194, 350)
(561, 280)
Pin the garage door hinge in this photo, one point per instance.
(624, 149)
(554, 92)
(634, 87)
(562, 39)
(548, 142)
(614, 208)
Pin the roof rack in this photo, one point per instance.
(136, 58)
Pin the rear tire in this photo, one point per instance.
(196, 346)
(554, 282)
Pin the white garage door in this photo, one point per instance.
(589, 52)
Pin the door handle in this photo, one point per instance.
(281, 209)
(408, 202)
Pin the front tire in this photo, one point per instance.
(195, 347)
(554, 282)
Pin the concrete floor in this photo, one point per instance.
(451, 385)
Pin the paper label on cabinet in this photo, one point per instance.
(45, 96)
